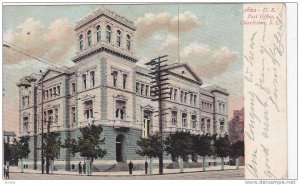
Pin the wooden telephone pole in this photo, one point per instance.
(158, 92)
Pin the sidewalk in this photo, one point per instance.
(126, 173)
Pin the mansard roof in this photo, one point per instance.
(104, 12)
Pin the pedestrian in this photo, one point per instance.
(130, 165)
(84, 168)
(4, 172)
(146, 167)
(7, 172)
(80, 168)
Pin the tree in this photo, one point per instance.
(222, 148)
(150, 146)
(179, 144)
(52, 145)
(7, 152)
(88, 145)
(202, 146)
(237, 150)
(20, 149)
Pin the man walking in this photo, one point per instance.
(130, 165)
(80, 168)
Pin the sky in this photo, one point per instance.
(210, 41)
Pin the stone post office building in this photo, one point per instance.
(106, 87)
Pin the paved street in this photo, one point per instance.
(193, 175)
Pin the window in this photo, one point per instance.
(185, 97)
(98, 29)
(128, 42)
(50, 117)
(47, 94)
(81, 42)
(54, 91)
(124, 80)
(147, 90)
(208, 124)
(88, 107)
(202, 124)
(220, 108)
(223, 108)
(184, 115)
(194, 121)
(84, 81)
(191, 98)
(222, 126)
(181, 96)
(108, 34)
(171, 92)
(120, 109)
(58, 90)
(115, 75)
(44, 94)
(89, 36)
(142, 89)
(23, 101)
(175, 94)
(195, 100)
(73, 115)
(25, 124)
(92, 78)
(174, 118)
(50, 91)
(137, 87)
(27, 100)
(146, 123)
(119, 38)
(73, 88)
(56, 116)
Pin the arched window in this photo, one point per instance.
(89, 36)
(108, 34)
(128, 42)
(98, 29)
(81, 42)
(119, 38)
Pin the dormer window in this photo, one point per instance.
(81, 42)
(89, 36)
(119, 38)
(98, 29)
(128, 42)
(108, 34)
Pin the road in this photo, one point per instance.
(217, 175)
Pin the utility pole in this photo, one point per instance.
(158, 92)
(42, 112)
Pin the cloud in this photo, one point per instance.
(55, 42)
(152, 23)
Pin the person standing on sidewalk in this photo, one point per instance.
(80, 168)
(146, 167)
(130, 165)
(84, 168)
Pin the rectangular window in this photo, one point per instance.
(88, 107)
(194, 121)
(185, 97)
(191, 99)
(202, 124)
(84, 81)
(142, 89)
(175, 94)
(115, 75)
(25, 124)
(195, 100)
(181, 96)
(174, 118)
(56, 116)
(73, 115)
(58, 90)
(124, 80)
(137, 87)
(184, 116)
(147, 90)
(50, 93)
(171, 93)
(120, 109)
(92, 79)
(73, 88)
(54, 91)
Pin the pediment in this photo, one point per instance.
(87, 97)
(148, 107)
(50, 73)
(183, 70)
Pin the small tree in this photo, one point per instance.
(237, 150)
(150, 146)
(20, 149)
(222, 148)
(52, 144)
(88, 145)
(7, 152)
(202, 145)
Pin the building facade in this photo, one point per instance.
(106, 87)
